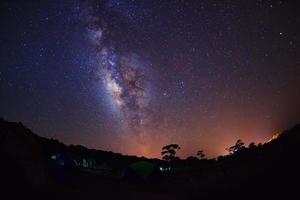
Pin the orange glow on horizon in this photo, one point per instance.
(273, 137)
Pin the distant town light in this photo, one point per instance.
(274, 136)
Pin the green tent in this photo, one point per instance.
(143, 168)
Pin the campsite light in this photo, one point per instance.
(55, 156)
(61, 162)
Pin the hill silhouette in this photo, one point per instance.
(38, 167)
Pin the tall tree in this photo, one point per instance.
(239, 145)
(169, 151)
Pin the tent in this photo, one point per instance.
(142, 170)
(104, 167)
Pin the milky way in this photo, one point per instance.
(123, 76)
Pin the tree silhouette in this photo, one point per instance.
(201, 154)
(239, 145)
(252, 145)
(169, 151)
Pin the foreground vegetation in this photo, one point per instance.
(46, 169)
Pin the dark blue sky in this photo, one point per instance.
(132, 76)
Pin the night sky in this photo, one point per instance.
(133, 76)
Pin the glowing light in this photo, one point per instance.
(274, 136)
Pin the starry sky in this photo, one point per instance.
(131, 76)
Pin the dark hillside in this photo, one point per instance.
(43, 167)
